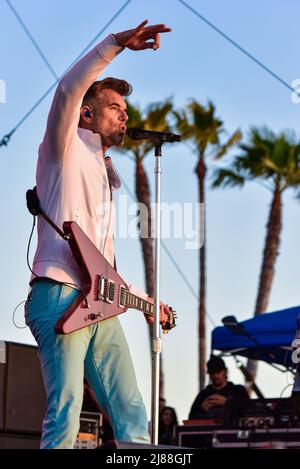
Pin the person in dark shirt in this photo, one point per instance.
(218, 396)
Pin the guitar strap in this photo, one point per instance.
(114, 184)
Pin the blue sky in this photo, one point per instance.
(194, 61)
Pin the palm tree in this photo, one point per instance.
(200, 125)
(274, 161)
(153, 118)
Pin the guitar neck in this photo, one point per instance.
(133, 301)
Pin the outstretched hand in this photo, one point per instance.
(142, 37)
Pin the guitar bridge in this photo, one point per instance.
(99, 287)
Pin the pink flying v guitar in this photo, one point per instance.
(104, 293)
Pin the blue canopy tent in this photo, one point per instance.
(274, 332)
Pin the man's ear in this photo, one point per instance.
(86, 115)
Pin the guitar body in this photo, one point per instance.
(103, 290)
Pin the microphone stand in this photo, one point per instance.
(156, 341)
(157, 138)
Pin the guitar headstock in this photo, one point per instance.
(170, 324)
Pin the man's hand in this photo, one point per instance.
(206, 405)
(165, 313)
(137, 39)
(217, 400)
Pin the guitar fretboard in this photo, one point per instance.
(133, 301)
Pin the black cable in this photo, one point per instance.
(186, 281)
(28, 247)
(33, 41)
(28, 264)
(240, 48)
(6, 138)
(101, 32)
(78, 287)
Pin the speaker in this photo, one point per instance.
(19, 441)
(22, 395)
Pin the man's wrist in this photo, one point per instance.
(115, 38)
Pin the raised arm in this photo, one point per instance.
(65, 110)
(64, 114)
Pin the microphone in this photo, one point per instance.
(156, 137)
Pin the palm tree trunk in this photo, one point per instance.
(201, 171)
(270, 254)
(143, 197)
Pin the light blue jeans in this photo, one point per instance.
(100, 353)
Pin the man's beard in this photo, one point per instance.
(116, 139)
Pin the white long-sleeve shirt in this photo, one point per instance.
(72, 182)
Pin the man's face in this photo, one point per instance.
(110, 118)
(218, 378)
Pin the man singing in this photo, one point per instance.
(74, 182)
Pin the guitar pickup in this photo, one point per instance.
(122, 292)
(110, 291)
